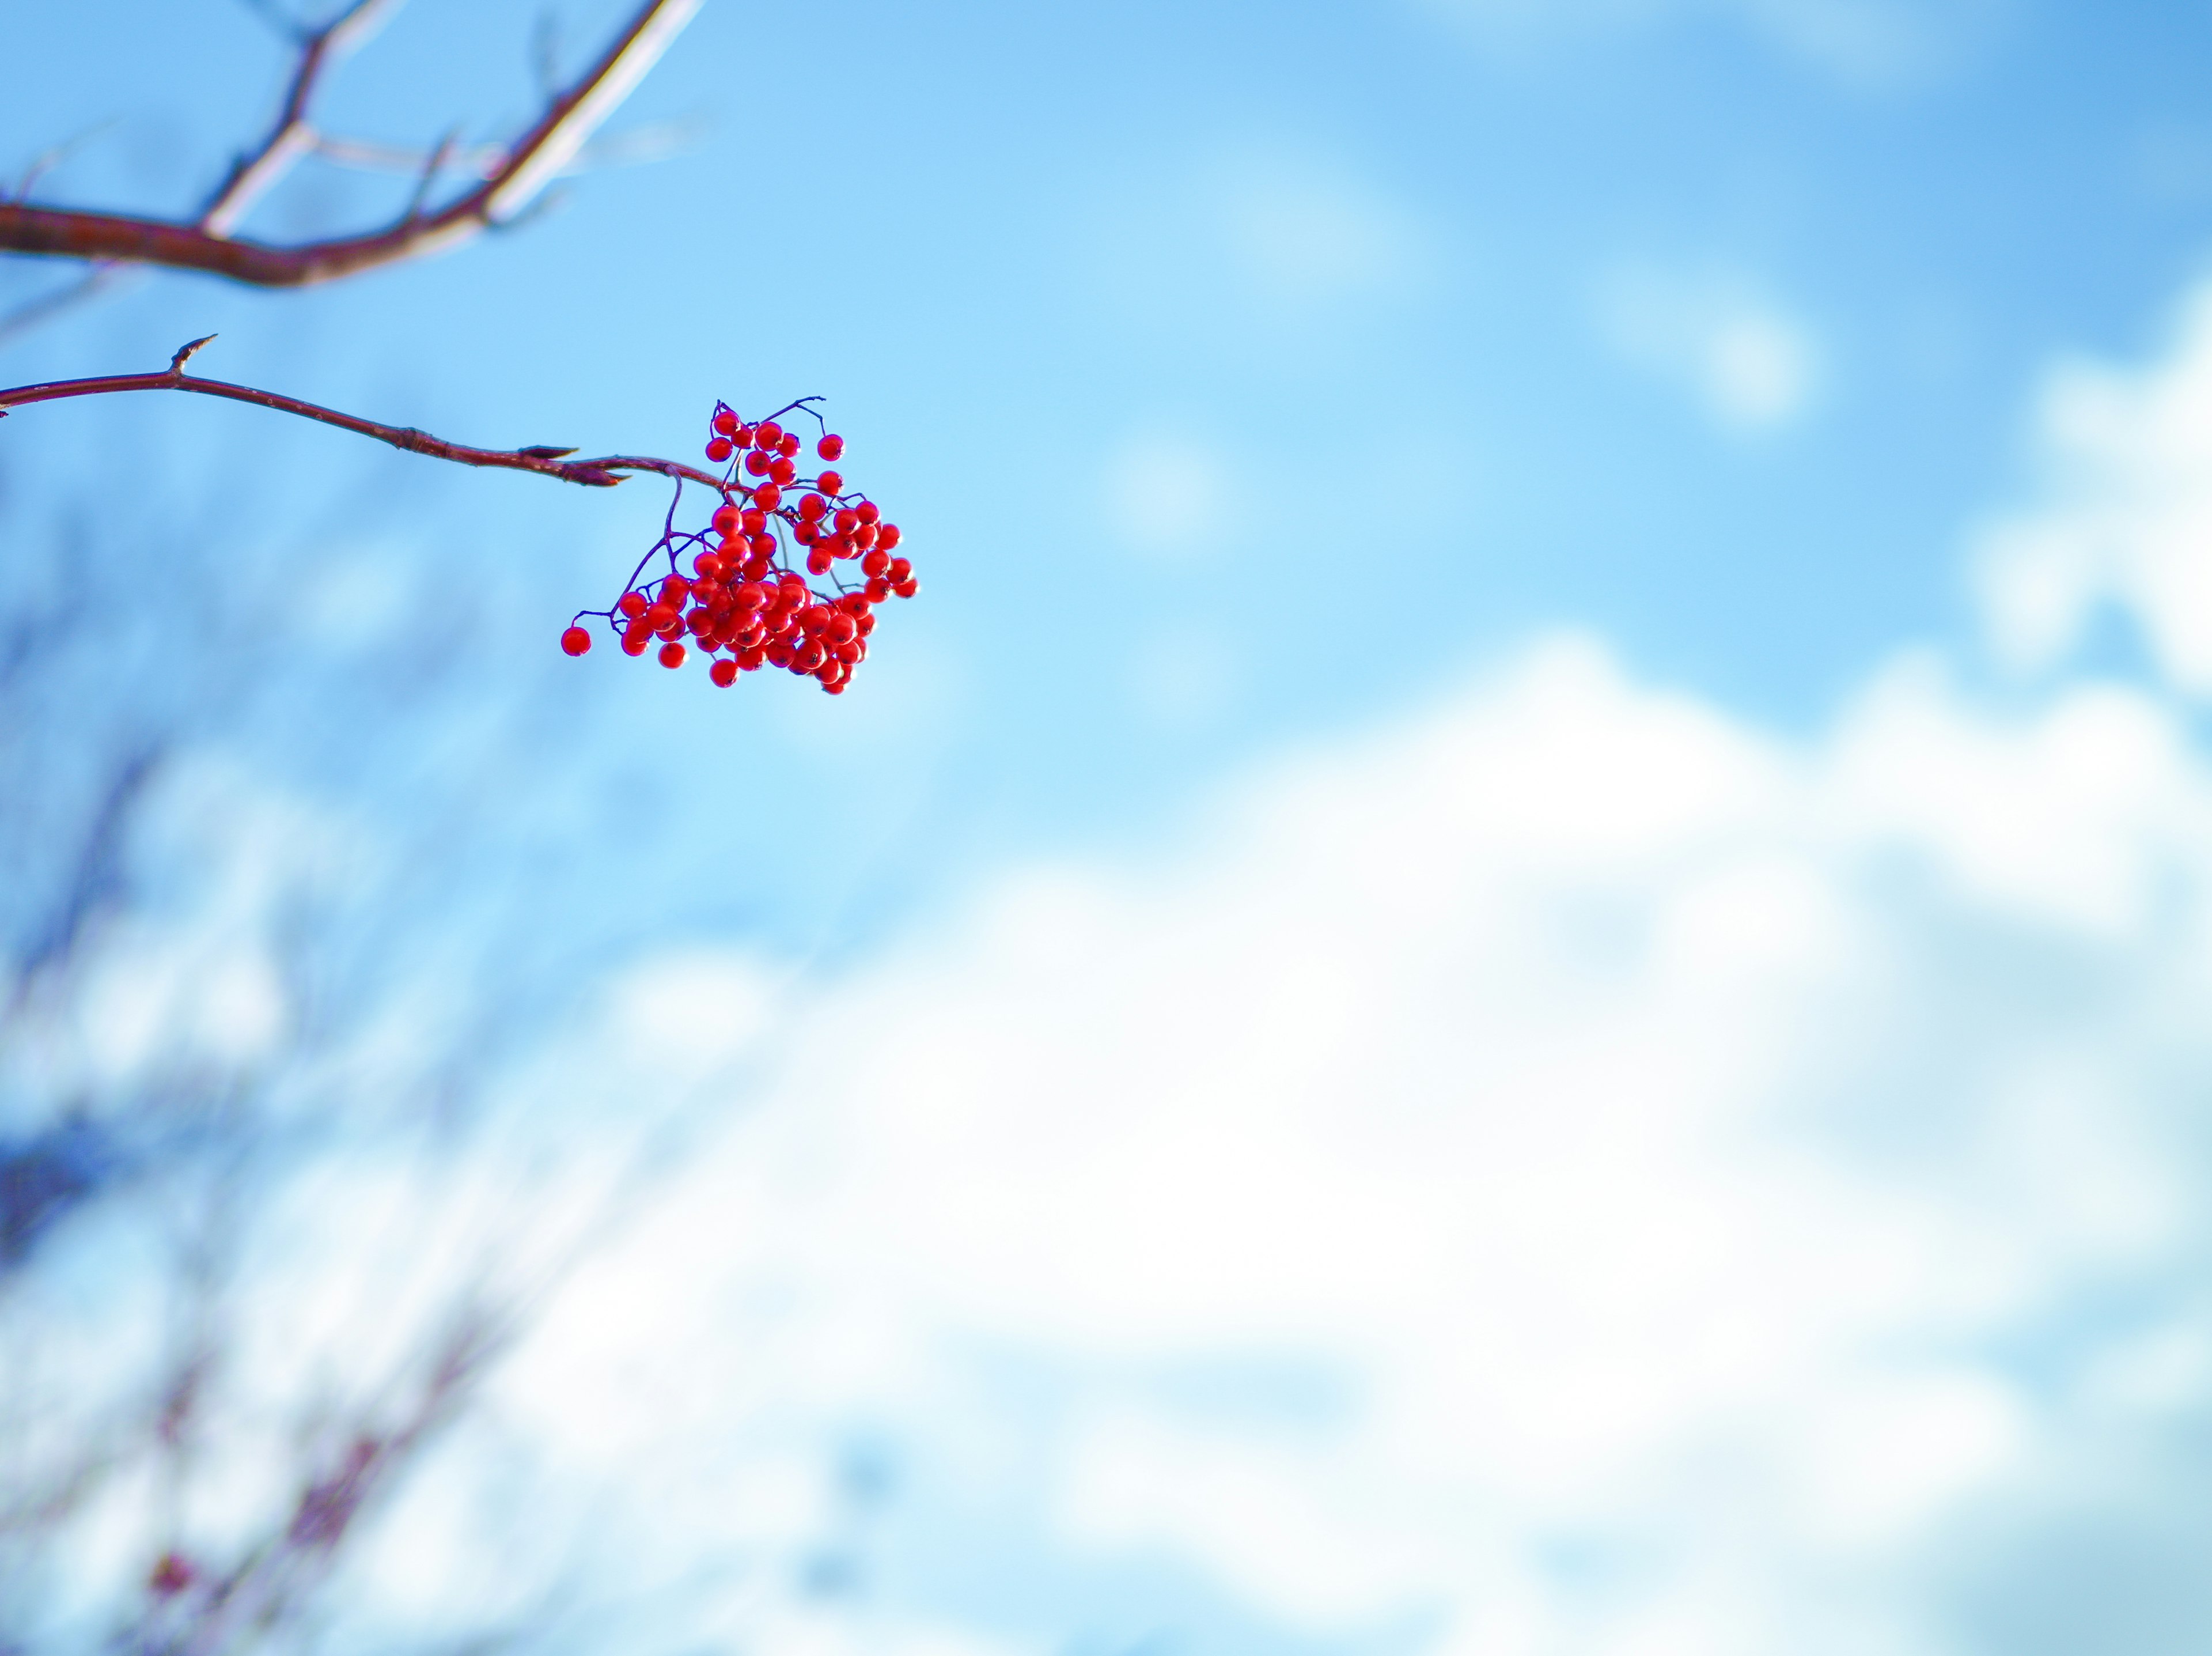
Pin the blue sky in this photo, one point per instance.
(1509, 958)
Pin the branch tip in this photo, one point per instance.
(184, 353)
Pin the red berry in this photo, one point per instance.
(865, 536)
(767, 496)
(751, 595)
(847, 519)
(756, 463)
(782, 470)
(675, 589)
(171, 1576)
(830, 483)
(635, 640)
(576, 640)
(907, 588)
(868, 512)
(887, 536)
(878, 589)
(659, 616)
(814, 616)
(741, 435)
(672, 654)
(632, 604)
(726, 519)
(724, 672)
(726, 423)
(876, 562)
(778, 654)
(809, 657)
(899, 570)
(830, 448)
(789, 445)
(843, 629)
(718, 450)
(751, 657)
(867, 623)
(708, 566)
(767, 435)
(812, 507)
(819, 560)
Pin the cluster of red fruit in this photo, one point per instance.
(743, 605)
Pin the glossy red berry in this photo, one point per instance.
(632, 604)
(672, 654)
(899, 570)
(818, 560)
(576, 640)
(868, 512)
(789, 445)
(887, 536)
(724, 672)
(832, 447)
(907, 588)
(768, 497)
(783, 471)
(635, 640)
(876, 562)
(830, 483)
(726, 423)
(718, 450)
(767, 435)
(726, 519)
(756, 463)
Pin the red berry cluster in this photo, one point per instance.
(744, 606)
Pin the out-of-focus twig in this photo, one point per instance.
(291, 138)
(542, 155)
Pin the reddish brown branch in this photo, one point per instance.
(534, 162)
(545, 459)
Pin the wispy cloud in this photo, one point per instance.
(1876, 44)
(1750, 365)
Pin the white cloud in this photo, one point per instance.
(2125, 515)
(1532, 1070)
(1749, 364)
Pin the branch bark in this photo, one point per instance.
(532, 163)
(545, 459)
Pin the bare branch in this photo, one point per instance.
(540, 155)
(543, 458)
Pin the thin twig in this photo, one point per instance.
(539, 156)
(655, 141)
(543, 458)
(102, 277)
(291, 138)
